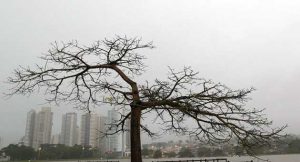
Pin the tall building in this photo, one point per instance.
(68, 135)
(101, 135)
(85, 130)
(112, 140)
(1, 141)
(89, 130)
(29, 130)
(92, 131)
(78, 136)
(127, 136)
(55, 139)
(42, 127)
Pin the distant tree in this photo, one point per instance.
(52, 152)
(105, 73)
(171, 154)
(157, 154)
(180, 142)
(185, 152)
(204, 152)
(170, 142)
(218, 152)
(239, 150)
(146, 152)
(161, 144)
(294, 146)
(17, 152)
(228, 149)
(75, 152)
(113, 155)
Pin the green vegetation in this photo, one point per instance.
(170, 154)
(294, 146)
(185, 152)
(51, 152)
(17, 152)
(146, 152)
(157, 154)
(204, 152)
(289, 145)
(64, 152)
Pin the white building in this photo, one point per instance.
(89, 130)
(127, 136)
(42, 127)
(113, 140)
(101, 134)
(29, 130)
(55, 139)
(1, 141)
(69, 134)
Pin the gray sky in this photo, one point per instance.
(239, 43)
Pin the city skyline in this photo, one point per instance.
(240, 44)
(88, 132)
(38, 128)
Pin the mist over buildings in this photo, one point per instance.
(238, 43)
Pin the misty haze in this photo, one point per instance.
(151, 80)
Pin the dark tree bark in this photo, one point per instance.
(136, 152)
(104, 74)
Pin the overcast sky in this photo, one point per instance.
(238, 43)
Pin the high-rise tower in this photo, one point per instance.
(1, 141)
(112, 140)
(127, 136)
(29, 130)
(68, 135)
(92, 132)
(42, 127)
(89, 130)
(101, 135)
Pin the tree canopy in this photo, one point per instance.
(17, 152)
(105, 73)
(185, 152)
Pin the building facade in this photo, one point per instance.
(112, 140)
(89, 130)
(55, 139)
(1, 141)
(42, 127)
(101, 134)
(92, 132)
(127, 136)
(85, 130)
(69, 134)
(29, 130)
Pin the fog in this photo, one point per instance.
(239, 43)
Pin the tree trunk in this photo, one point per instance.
(135, 137)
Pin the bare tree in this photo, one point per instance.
(104, 73)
